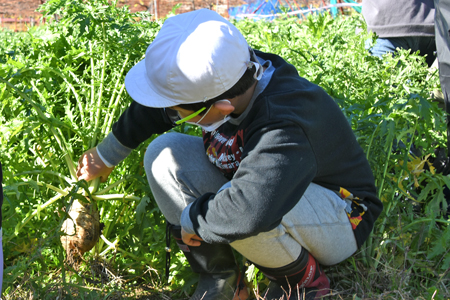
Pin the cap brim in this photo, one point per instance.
(136, 83)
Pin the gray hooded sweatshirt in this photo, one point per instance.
(397, 18)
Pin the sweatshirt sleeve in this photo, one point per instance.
(138, 123)
(273, 174)
(135, 125)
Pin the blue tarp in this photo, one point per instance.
(268, 9)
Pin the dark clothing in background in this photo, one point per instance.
(389, 18)
(401, 24)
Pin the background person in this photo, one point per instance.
(401, 24)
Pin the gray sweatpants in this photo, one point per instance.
(179, 172)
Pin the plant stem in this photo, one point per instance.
(110, 117)
(111, 186)
(92, 78)
(115, 197)
(426, 220)
(67, 155)
(24, 222)
(386, 164)
(110, 245)
(44, 172)
(100, 92)
(72, 88)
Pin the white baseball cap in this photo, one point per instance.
(196, 56)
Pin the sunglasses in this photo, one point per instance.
(174, 116)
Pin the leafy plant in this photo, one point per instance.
(61, 89)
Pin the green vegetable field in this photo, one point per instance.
(62, 88)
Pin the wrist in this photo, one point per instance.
(186, 222)
(107, 163)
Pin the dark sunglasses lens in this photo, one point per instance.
(172, 114)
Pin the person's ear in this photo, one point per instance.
(224, 106)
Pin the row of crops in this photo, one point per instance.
(62, 88)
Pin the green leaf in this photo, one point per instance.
(141, 209)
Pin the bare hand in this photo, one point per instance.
(190, 239)
(91, 166)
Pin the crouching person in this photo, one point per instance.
(277, 175)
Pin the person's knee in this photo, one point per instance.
(162, 142)
(158, 153)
